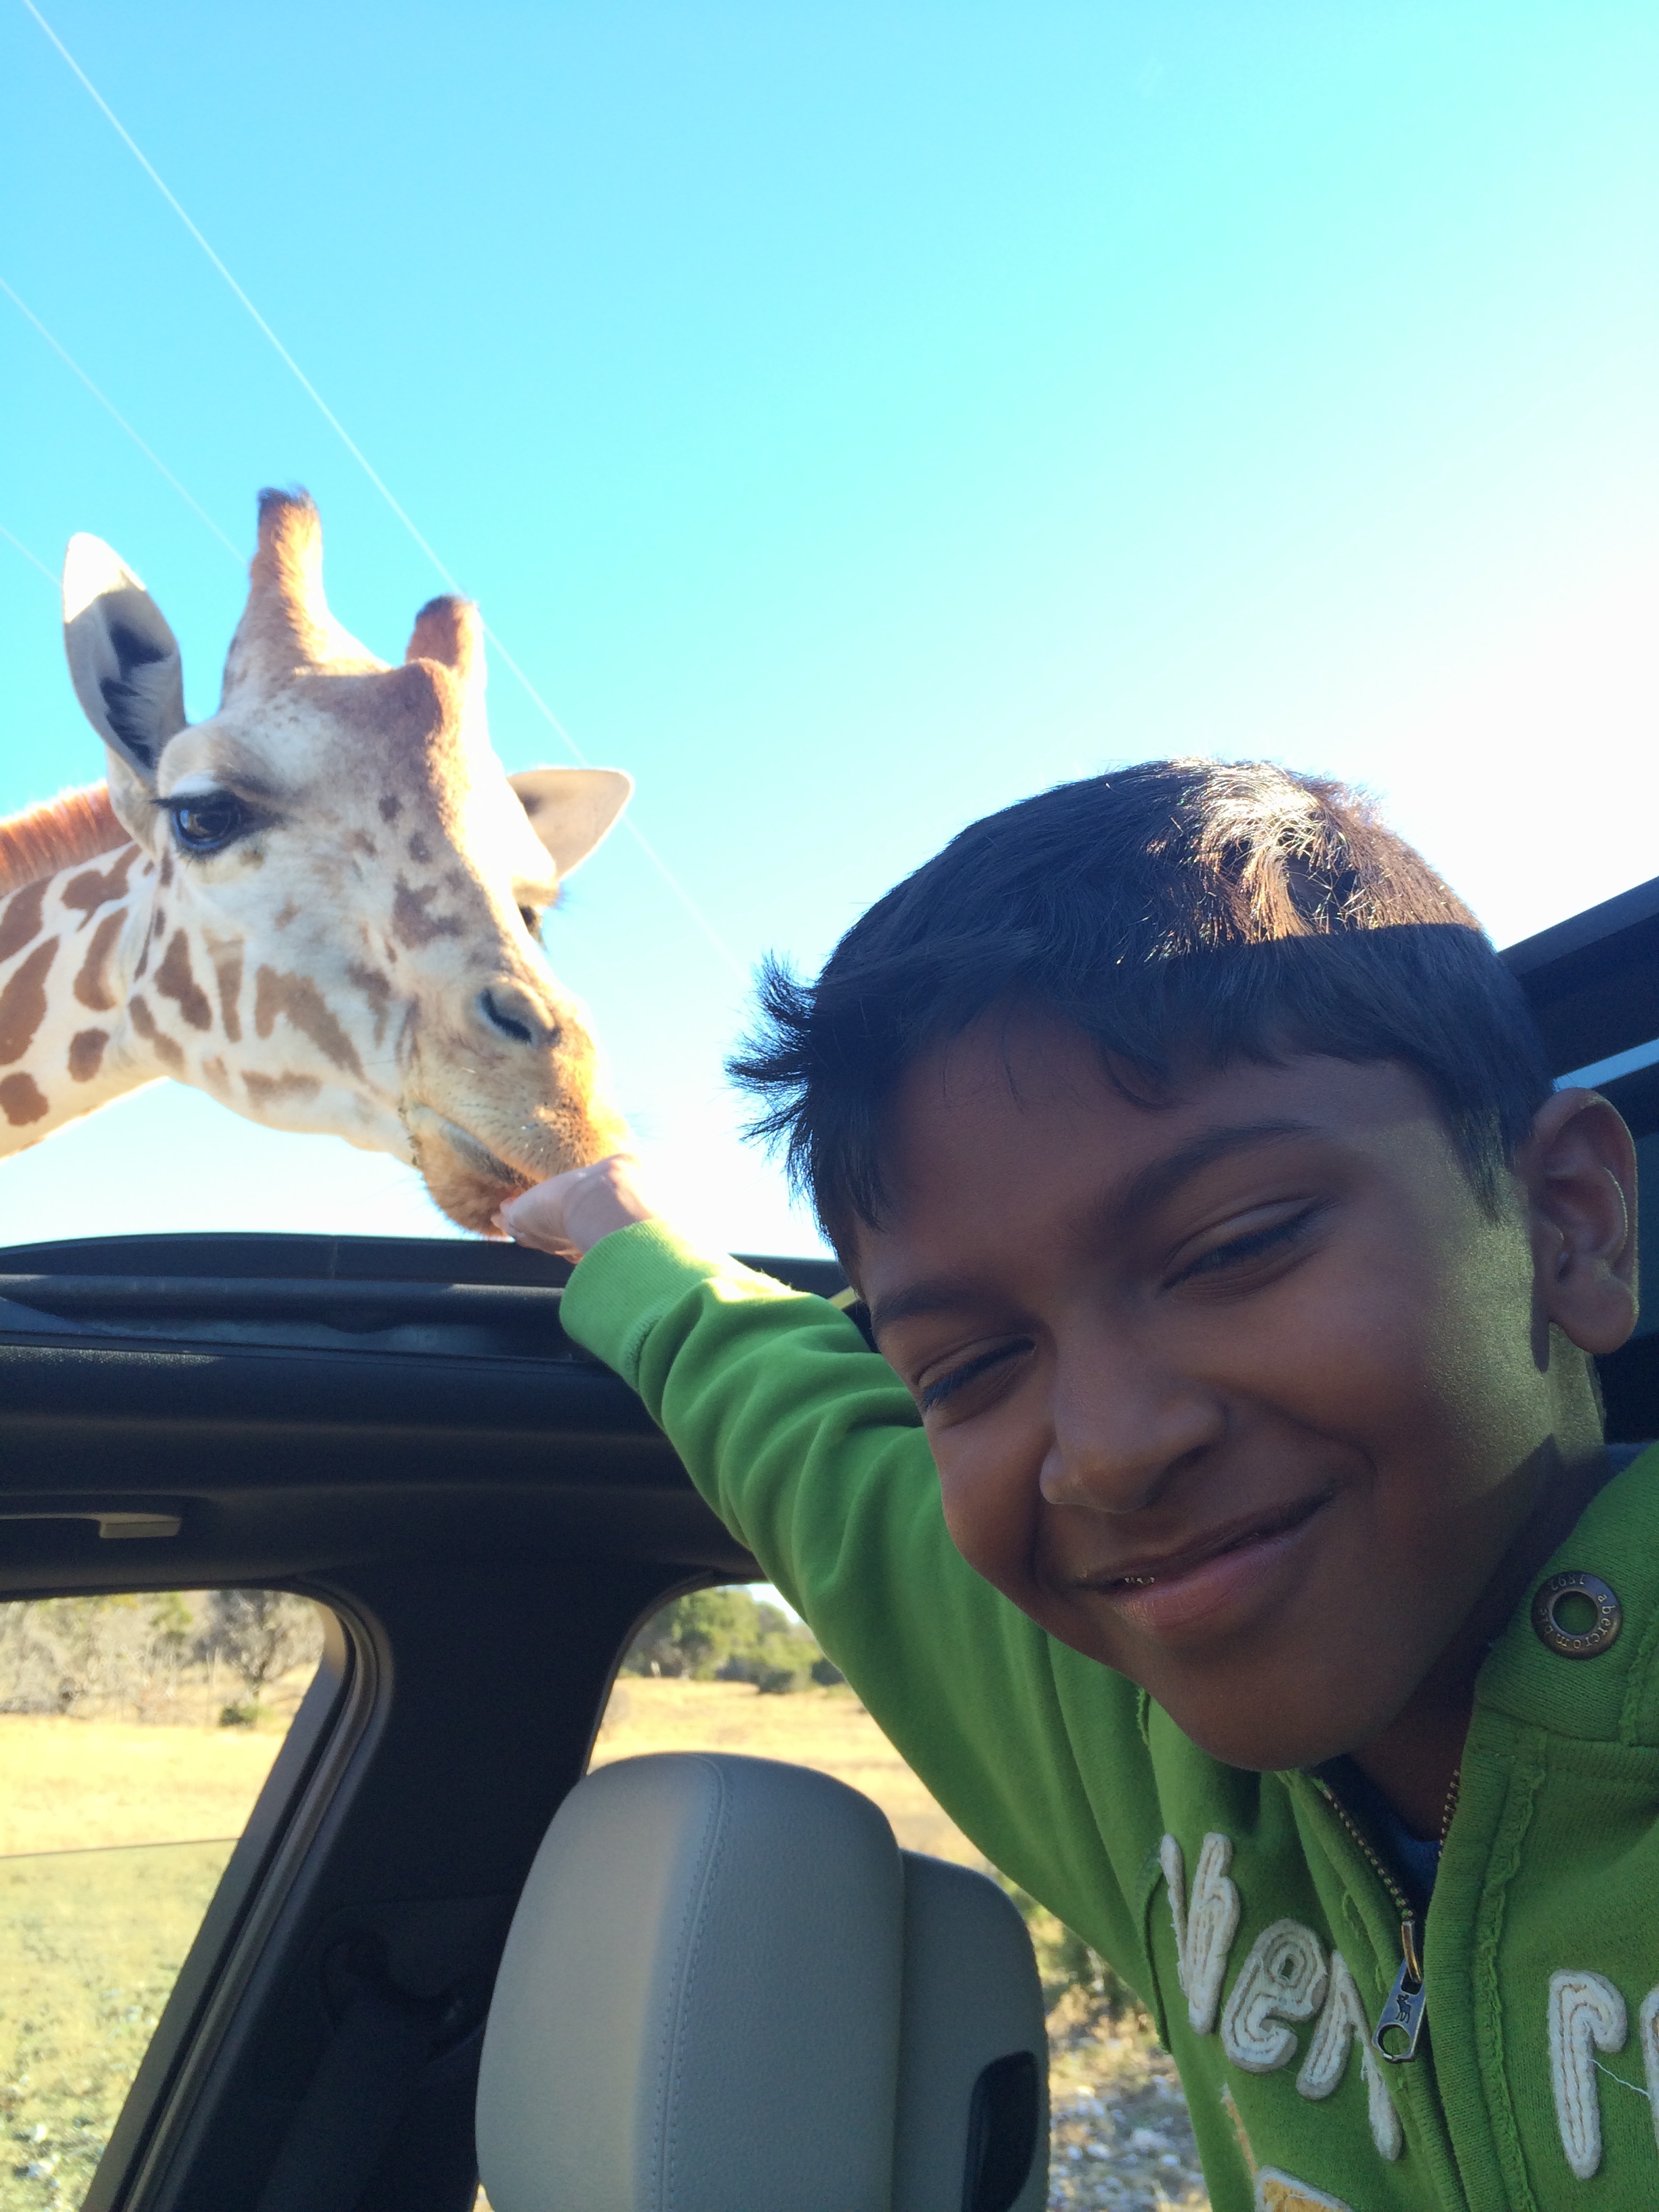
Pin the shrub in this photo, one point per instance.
(1073, 1977)
(81, 1655)
(727, 1635)
(261, 1634)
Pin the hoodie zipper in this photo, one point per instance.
(1402, 2017)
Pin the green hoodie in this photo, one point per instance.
(1251, 1914)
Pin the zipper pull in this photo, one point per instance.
(1401, 2018)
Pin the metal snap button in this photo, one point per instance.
(1577, 1616)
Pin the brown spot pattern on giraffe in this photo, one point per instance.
(167, 1051)
(288, 912)
(411, 922)
(97, 887)
(391, 806)
(419, 849)
(86, 1053)
(228, 968)
(377, 989)
(176, 979)
(266, 1089)
(20, 923)
(23, 1002)
(373, 985)
(92, 985)
(214, 1071)
(22, 1101)
(298, 997)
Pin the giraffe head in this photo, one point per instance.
(348, 891)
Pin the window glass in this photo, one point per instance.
(135, 1734)
(733, 1670)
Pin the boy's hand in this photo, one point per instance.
(568, 1213)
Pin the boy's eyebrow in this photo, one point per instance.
(1155, 1183)
(1140, 1195)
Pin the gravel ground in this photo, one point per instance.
(1121, 2135)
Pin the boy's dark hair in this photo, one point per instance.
(1174, 908)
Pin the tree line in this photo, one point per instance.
(730, 1636)
(133, 1654)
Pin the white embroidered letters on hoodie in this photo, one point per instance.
(1282, 1978)
(1587, 2014)
(1204, 1926)
(1341, 2024)
(1647, 2028)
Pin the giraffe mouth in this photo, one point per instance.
(426, 1122)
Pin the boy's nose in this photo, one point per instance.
(1118, 1441)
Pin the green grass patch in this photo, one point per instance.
(91, 1942)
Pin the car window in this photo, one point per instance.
(136, 1733)
(732, 1670)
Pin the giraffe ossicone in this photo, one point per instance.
(322, 905)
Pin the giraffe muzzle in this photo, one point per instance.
(427, 1124)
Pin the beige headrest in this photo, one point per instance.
(726, 1989)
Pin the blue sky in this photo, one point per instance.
(853, 418)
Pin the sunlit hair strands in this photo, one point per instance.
(1175, 911)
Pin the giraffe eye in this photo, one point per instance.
(531, 916)
(209, 821)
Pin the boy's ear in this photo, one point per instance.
(1579, 1167)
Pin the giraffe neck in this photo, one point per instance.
(73, 1033)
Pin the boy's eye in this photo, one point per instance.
(1256, 1244)
(936, 1394)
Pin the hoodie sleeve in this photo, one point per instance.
(812, 1453)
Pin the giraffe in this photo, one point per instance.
(322, 905)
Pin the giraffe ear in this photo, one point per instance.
(124, 660)
(572, 809)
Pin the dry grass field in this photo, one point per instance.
(70, 1785)
(113, 1834)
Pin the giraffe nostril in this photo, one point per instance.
(499, 1018)
(511, 1013)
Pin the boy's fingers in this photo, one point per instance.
(568, 1213)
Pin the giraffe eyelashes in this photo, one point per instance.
(208, 821)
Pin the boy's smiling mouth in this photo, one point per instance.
(1165, 1593)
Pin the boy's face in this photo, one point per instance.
(1244, 1396)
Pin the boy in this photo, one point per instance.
(1238, 1274)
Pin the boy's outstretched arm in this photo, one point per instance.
(811, 1451)
(769, 1396)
